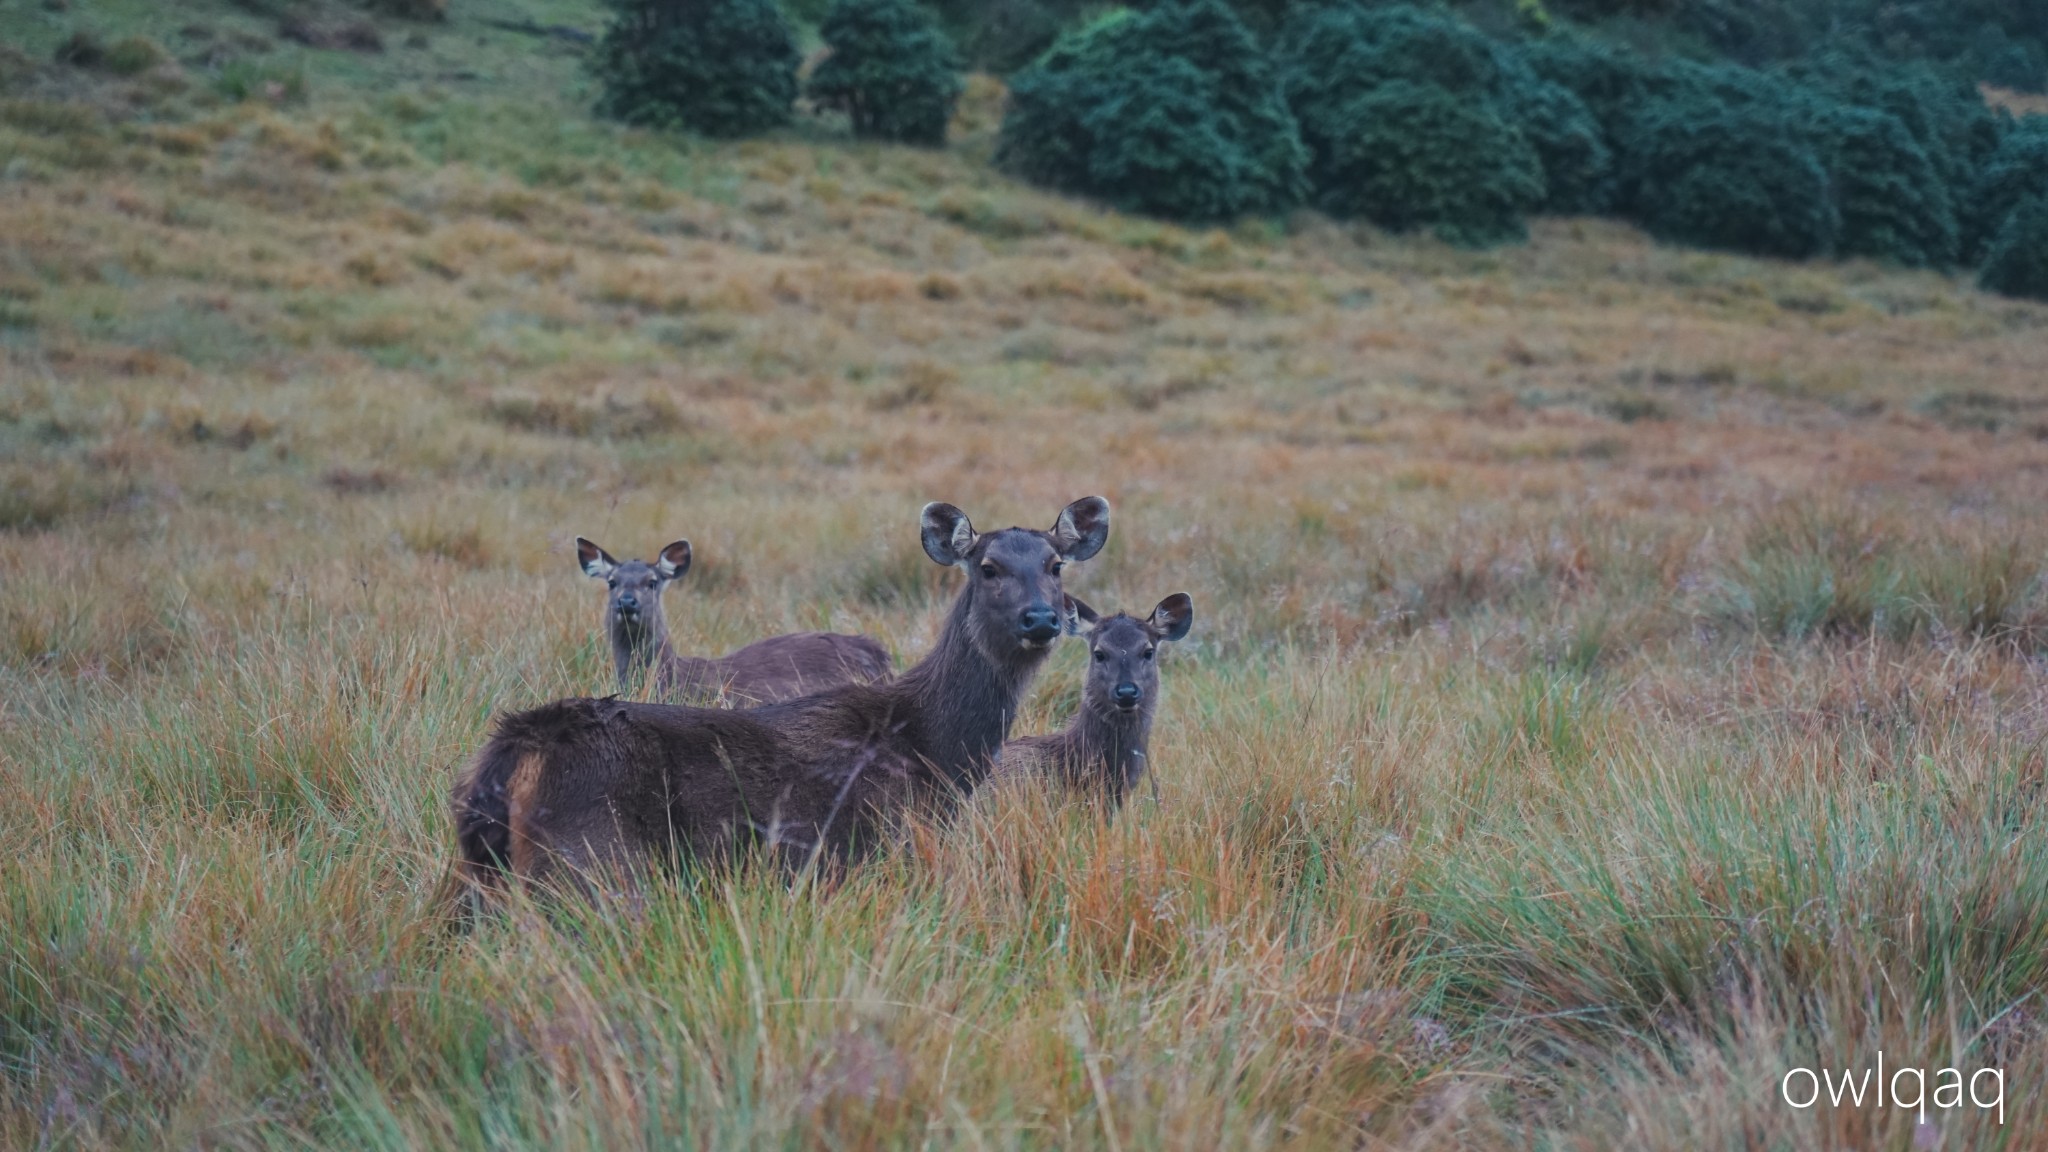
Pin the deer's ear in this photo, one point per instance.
(673, 561)
(595, 561)
(1174, 616)
(948, 537)
(1082, 529)
(1081, 619)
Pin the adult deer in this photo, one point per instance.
(778, 668)
(1101, 752)
(580, 786)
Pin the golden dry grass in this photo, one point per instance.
(1616, 680)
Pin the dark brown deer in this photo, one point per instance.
(1101, 753)
(581, 786)
(778, 668)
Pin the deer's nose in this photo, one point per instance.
(1128, 695)
(1040, 623)
(628, 602)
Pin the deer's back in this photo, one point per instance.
(1028, 756)
(799, 664)
(586, 780)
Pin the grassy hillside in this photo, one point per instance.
(1617, 677)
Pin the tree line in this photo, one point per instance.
(1411, 117)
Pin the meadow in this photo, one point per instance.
(1617, 678)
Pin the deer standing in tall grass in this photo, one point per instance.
(778, 668)
(1101, 752)
(580, 786)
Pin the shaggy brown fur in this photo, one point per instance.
(578, 786)
(1101, 752)
(778, 668)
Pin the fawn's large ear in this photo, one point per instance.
(1082, 529)
(1174, 616)
(1081, 619)
(673, 561)
(948, 537)
(595, 561)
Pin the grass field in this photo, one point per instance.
(1618, 673)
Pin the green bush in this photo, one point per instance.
(1405, 116)
(1942, 108)
(1578, 164)
(1893, 204)
(1744, 178)
(2018, 261)
(719, 67)
(1173, 112)
(1612, 81)
(891, 69)
(2017, 170)
(1408, 155)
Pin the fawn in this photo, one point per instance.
(1101, 752)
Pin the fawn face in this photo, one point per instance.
(1013, 576)
(635, 586)
(1123, 669)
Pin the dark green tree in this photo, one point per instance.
(1174, 111)
(1744, 178)
(1415, 119)
(1578, 164)
(2017, 170)
(891, 69)
(1941, 107)
(719, 67)
(1893, 204)
(1407, 155)
(2018, 261)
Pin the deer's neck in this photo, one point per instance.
(963, 701)
(641, 645)
(1108, 744)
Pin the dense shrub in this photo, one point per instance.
(1612, 81)
(1173, 111)
(1331, 54)
(1743, 178)
(2017, 170)
(1408, 155)
(1578, 165)
(2018, 261)
(720, 67)
(1406, 117)
(1941, 108)
(891, 69)
(1893, 204)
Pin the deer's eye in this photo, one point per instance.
(1101, 656)
(612, 583)
(1058, 566)
(988, 571)
(1148, 653)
